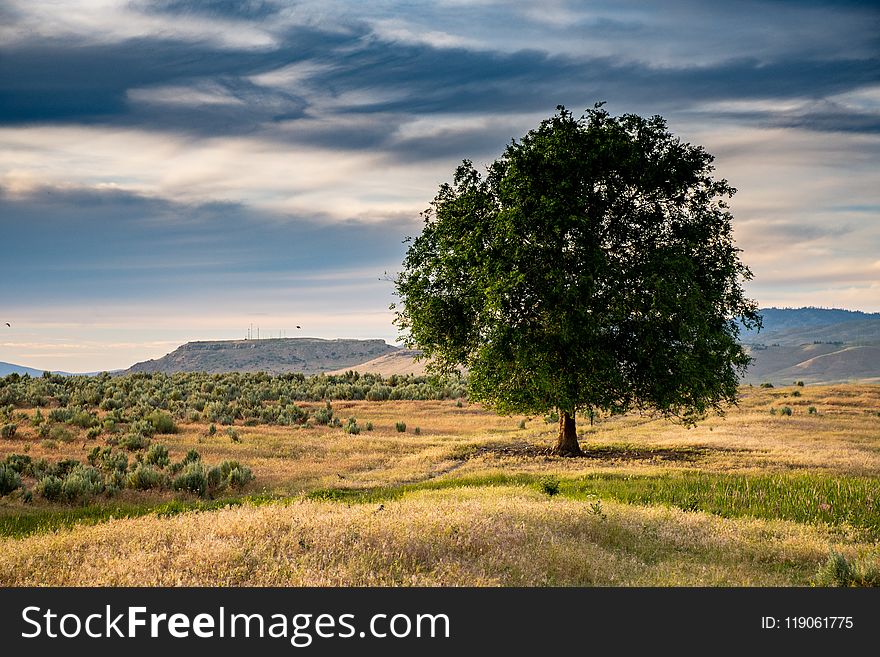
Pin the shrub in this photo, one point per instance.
(93, 433)
(234, 474)
(21, 463)
(796, 393)
(134, 441)
(549, 485)
(811, 410)
(82, 482)
(62, 414)
(192, 456)
(522, 424)
(351, 427)
(144, 477)
(215, 478)
(38, 418)
(83, 419)
(368, 426)
(162, 422)
(9, 479)
(192, 479)
(799, 383)
(48, 444)
(233, 435)
(785, 410)
(212, 429)
(61, 434)
(157, 455)
(324, 415)
(143, 428)
(552, 418)
(458, 403)
(417, 431)
(400, 426)
(840, 571)
(48, 487)
(8, 430)
(766, 385)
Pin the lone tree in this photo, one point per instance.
(592, 269)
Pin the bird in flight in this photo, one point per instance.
(10, 325)
(299, 327)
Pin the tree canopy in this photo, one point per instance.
(591, 269)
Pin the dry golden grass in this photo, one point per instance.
(498, 536)
(486, 536)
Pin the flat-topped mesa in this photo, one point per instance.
(271, 355)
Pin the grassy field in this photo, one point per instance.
(758, 497)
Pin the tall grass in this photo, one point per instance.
(805, 498)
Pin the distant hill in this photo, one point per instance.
(10, 368)
(402, 361)
(814, 345)
(274, 356)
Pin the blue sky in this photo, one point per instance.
(173, 170)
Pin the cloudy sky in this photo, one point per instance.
(173, 170)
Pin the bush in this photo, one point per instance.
(368, 426)
(162, 422)
(234, 474)
(21, 463)
(522, 424)
(144, 477)
(9, 479)
(93, 433)
(401, 427)
(766, 385)
(324, 415)
(61, 434)
(38, 418)
(549, 485)
(799, 383)
(62, 414)
(840, 571)
(48, 487)
(811, 410)
(82, 482)
(785, 410)
(8, 430)
(233, 435)
(552, 418)
(157, 455)
(83, 419)
(193, 479)
(134, 441)
(351, 427)
(796, 393)
(212, 429)
(417, 431)
(143, 428)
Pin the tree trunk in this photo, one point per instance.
(567, 442)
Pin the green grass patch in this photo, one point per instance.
(24, 522)
(805, 498)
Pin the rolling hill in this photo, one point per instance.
(814, 345)
(274, 356)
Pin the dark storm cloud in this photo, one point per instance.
(234, 9)
(66, 245)
(63, 81)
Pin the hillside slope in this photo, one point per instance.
(814, 345)
(399, 362)
(274, 356)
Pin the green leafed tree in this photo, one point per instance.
(592, 269)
